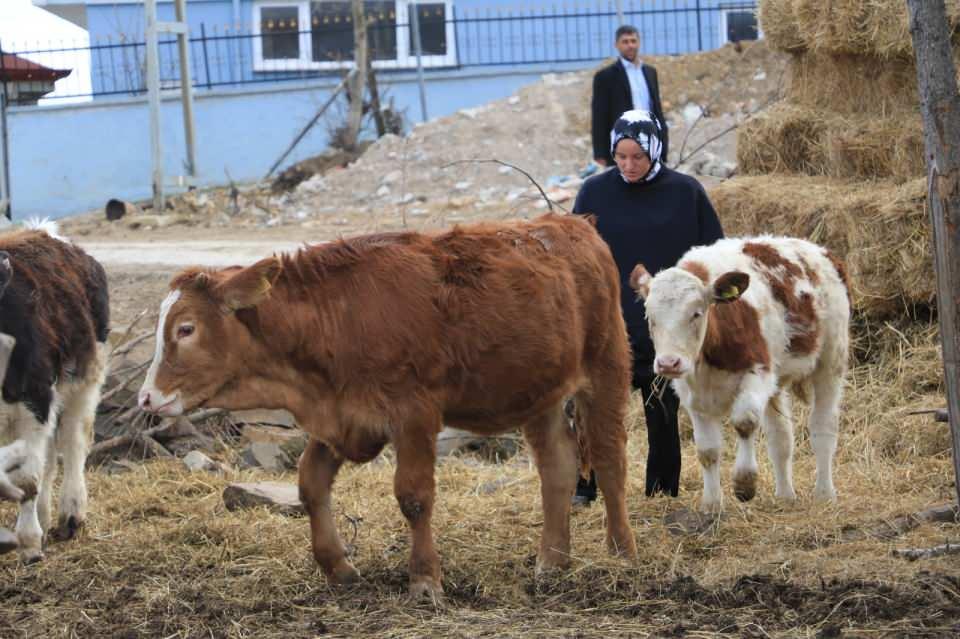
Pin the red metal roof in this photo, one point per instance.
(16, 69)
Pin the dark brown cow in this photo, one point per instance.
(386, 337)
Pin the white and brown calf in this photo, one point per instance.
(55, 305)
(737, 325)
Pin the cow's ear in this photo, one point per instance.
(249, 286)
(640, 281)
(730, 286)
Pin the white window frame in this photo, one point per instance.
(406, 57)
(724, 11)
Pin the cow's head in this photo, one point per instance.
(6, 271)
(201, 343)
(678, 307)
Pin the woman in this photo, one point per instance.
(647, 213)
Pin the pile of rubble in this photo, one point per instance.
(441, 173)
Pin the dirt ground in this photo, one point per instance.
(162, 557)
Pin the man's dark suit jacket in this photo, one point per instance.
(611, 97)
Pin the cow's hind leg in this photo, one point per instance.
(414, 488)
(554, 448)
(74, 436)
(778, 424)
(318, 468)
(603, 410)
(824, 426)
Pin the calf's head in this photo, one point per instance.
(201, 342)
(678, 305)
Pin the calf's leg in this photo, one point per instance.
(318, 468)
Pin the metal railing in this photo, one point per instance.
(279, 50)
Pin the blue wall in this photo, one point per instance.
(487, 33)
(71, 159)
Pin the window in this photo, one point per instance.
(292, 35)
(738, 25)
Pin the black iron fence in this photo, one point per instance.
(283, 46)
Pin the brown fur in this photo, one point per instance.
(734, 341)
(698, 269)
(387, 337)
(841, 269)
(782, 276)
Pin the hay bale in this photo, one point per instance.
(880, 230)
(782, 139)
(852, 84)
(779, 24)
(865, 27)
(788, 138)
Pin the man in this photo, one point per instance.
(646, 213)
(624, 85)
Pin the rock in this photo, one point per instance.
(116, 209)
(257, 433)
(383, 191)
(561, 195)
(315, 184)
(278, 417)
(461, 202)
(691, 113)
(392, 176)
(463, 186)
(279, 497)
(513, 99)
(119, 466)
(156, 221)
(503, 170)
(198, 462)
(270, 456)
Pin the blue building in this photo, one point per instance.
(261, 69)
(262, 41)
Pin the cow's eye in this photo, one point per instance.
(184, 330)
(696, 315)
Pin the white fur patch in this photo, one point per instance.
(46, 225)
(168, 302)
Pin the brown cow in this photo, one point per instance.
(384, 338)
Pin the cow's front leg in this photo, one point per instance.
(756, 389)
(708, 436)
(415, 443)
(318, 468)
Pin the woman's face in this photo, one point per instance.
(632, 160)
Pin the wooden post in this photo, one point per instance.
(358, 82)
(940, 107)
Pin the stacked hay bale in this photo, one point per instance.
(840, 159)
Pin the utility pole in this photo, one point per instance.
(182, 31)
(940, 107)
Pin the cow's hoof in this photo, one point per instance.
(8, 541)
(426, 589)
(67, 528)
(788, 495)
(745, 485)
(30, 557)
(547, 568)
(712, 508)
(344, 574)
(825, 494)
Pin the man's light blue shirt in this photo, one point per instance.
(639, 92)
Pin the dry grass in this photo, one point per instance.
(881, 230)
(864, 27)
(161, 557)
(795, 139)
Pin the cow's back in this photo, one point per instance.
(489, 321)
(57, 308)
